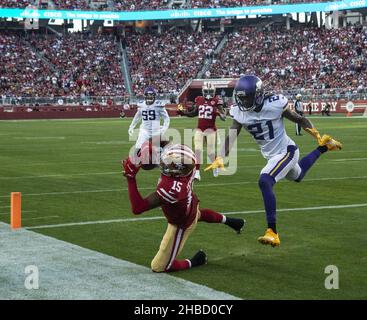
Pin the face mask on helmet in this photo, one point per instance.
(149, 96)
(249, 93)
(208, 91)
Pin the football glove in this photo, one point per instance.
(217, 163)
(180, 109)
(314, 132)
(130, 169)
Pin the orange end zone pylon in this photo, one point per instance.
(16, 210)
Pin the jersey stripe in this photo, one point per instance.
(165, 198)
(280, 163)
(176, 246)
(167, 194)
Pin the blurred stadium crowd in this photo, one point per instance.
(91, 65)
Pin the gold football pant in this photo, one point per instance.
(171, 245)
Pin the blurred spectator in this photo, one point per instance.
(168, 60)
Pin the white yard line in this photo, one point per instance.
(348, 159)
(199, 185)
(68, 271)
(23, 211)
(72, 224)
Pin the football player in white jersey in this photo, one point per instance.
(262, 116)
(150, 111)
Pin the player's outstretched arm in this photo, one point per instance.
(303, 121)
(221, 113)
(218, 162)
(138, 203)
(192, 113)
(135, 121)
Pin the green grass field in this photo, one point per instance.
(69, 171)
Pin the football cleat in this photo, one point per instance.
(216, 172)
(270, 237)
(199, 259)
(330, 143)
(236, 224)
(197, 175)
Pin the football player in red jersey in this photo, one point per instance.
(179, 204)
(207, 107)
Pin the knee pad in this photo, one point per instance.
(266, 181)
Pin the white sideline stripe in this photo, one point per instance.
(350, 159)
(119, 172)
(39, 218)
(61, 175)
(356, 205)
(200, 185)
(23, 211)
(70, 272)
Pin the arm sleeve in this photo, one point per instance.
(166, 120)
(138, 204)
(136, 119)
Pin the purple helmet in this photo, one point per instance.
(150, 94)
(249, 93)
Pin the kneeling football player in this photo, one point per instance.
(180, 205)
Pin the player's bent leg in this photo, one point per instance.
(308, 161)
(210, 216)
(266, 183)
(210, 142)
(276, 169)
(171, 246)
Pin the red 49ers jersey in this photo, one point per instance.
(179, 203)
(207, 112)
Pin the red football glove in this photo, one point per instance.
(130, 169)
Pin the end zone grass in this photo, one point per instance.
(69, 171)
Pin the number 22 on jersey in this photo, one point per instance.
(205, 112)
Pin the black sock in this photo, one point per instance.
(273, 227)
(322, 149)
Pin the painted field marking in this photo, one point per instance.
(39, 138)
(350, 159)
(71, 224)
(70, 272)
(196, 186)
(23, 211)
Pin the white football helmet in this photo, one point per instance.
(208, 90)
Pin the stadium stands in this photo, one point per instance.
(167, 61)
(301, 58)
(50, 66)
(89, 65)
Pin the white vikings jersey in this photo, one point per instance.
(150, 116)
(266, 126)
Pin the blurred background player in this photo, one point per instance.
(326, 109)
(150, 112)
(262, 116)
(206, 107)
(298, 107)
(179, 204)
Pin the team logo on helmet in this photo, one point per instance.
(177, 160)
